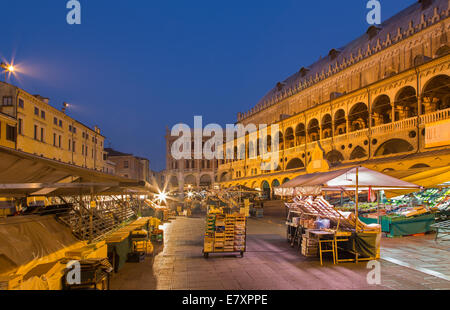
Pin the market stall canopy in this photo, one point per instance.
(344, 179)
(242, 188)
(425, 177)
(23, 174)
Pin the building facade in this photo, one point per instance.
(128, 165)
(382, 101)
(8, 121)
(158, 178)
(189, 172)
(30, 124)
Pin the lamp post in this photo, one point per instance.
(64, 110)
(8, 69)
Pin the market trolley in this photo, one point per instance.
(292, 224)
(442, 228)
(225, 233)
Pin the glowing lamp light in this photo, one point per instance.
(161, 197)
(9, 68)
(190, 194)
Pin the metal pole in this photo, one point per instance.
(72, 146)
(357, 198)
(91, 215)
(378, 207)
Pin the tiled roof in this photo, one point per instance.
(408, 22)
(111, 153)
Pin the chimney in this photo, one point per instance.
(44, 99)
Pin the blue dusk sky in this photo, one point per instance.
(134, 67)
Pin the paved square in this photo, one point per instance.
(271, 264)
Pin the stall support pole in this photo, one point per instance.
(91, 215)
(378, 206)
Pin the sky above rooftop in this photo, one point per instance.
(134, 67)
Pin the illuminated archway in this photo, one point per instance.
(436, 94)
(205, 180)
(381, 110)
(190, 180)
(265, 187)
(405, 103)
(327, 126)
(340, 123)
(358, 153)
(290, 138)
(173, 181)
(300, 134)
(394, 146)
(295, 163)
(313, 130)
(358, 117)
(334, 157)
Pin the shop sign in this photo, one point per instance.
(437, 134)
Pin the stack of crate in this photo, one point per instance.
(239, 233)
(219, 237)
(230, 222)
(209, 234)
(310, 246)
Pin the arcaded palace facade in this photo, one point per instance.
(382, 101)
(182, 174)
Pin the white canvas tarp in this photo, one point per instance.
(344, 179)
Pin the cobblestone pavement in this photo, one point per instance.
(271, 264)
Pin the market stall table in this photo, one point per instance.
(344, 228)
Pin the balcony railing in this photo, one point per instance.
(396, 126)
(384, 129)
(435, 116)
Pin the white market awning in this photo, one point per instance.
(342, 180)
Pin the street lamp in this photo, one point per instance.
(7, 68)
(161, 197)
(65, 106)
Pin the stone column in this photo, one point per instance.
(419, 106)
(332, 127)
(181, 185)
(393, 112)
